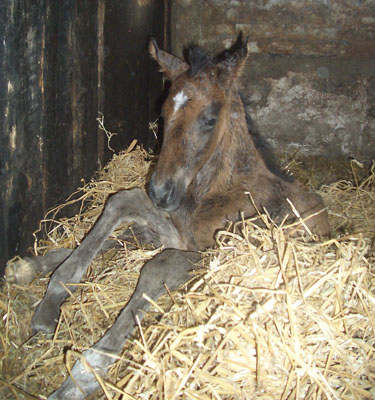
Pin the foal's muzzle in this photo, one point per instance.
(166, 195)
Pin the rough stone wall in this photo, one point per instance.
(310, 78)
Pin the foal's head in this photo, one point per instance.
(195, 117)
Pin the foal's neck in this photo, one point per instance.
(233, 157)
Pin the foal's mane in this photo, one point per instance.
(198, 59)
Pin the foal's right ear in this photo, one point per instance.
(170, 65)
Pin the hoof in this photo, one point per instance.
(21, 271)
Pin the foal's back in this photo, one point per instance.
(209, 163)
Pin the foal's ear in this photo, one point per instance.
(170, 65)
(231, 66)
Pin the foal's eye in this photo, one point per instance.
(211, 123)
(208, 117)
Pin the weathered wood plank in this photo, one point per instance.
(62, 62)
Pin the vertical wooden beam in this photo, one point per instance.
(101, 54)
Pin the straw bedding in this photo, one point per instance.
(265, 315)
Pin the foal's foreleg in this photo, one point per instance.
(23, 270)
(171, 269)
(123, 207)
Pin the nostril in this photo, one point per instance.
(157, 192)
(163, 195)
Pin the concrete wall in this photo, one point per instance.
(310, 77)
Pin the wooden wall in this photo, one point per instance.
(61, 62)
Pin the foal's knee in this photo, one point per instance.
(119, 199)
(127, 201)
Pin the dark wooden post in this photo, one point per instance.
(62, 62)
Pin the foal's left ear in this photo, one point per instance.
(170, 65)
(231, 67)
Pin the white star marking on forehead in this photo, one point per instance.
(180, 99)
